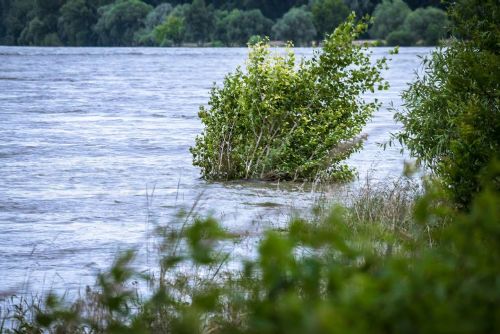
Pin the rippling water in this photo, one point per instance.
(85, 133)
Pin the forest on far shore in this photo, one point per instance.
(213, 22)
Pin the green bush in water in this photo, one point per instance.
(283, 119)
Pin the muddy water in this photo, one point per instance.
(95, 140)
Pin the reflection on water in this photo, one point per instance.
(85, 133)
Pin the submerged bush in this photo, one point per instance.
(283, 119)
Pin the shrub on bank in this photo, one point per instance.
(451, 115)
(283, 119)
(428, 25)
(401, 38)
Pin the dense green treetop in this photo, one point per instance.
(200, 21)
(389, 16)
(297, 25)
(451, 114)
(217, 22)
(75, 18)
(237, 26)
(119, 21)
(328, 14)
(158, 15)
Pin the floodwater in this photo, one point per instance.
(93, 141)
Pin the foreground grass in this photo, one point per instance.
(390, 260)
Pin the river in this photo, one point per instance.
(93, 141)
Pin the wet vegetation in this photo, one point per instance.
(280, 120)
(391, 259)
(211, 22)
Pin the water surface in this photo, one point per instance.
(85, 133)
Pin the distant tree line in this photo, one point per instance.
(211, 22)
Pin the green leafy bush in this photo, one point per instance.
(328, 15)
(286, 120)
(171, 31)
(388, 16)
(296, 26)
(118, 22)
(156, 17)
(428, 25)
(76, 16)
(451, 113)
(238, 26)
(200, 21)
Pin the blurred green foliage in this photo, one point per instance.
(397, 24)
(200, 21)
(328, 14)
(297, 26)
(170, 31)
(205, 22)
(75, 18)
(426, 25)
(237, 26)
(282, 119)
(156, 18)
(118, 22)
(388, 16)
(400, 37)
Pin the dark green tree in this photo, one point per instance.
(156, 17)
(236, 27)
(296, 26)
(154, 3)
(99, 3)
(270, 8)
(401, 37)
(15, 17)
(428, 25)
(118, 22)
(171, 31)
(451, 114)
(47, 11)
(42, 29)
(328, 14)
(361, 7)
(388, 16)
(33, 33)
(200, 21)
(3, 11)
(414, 4)
(76, 18)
